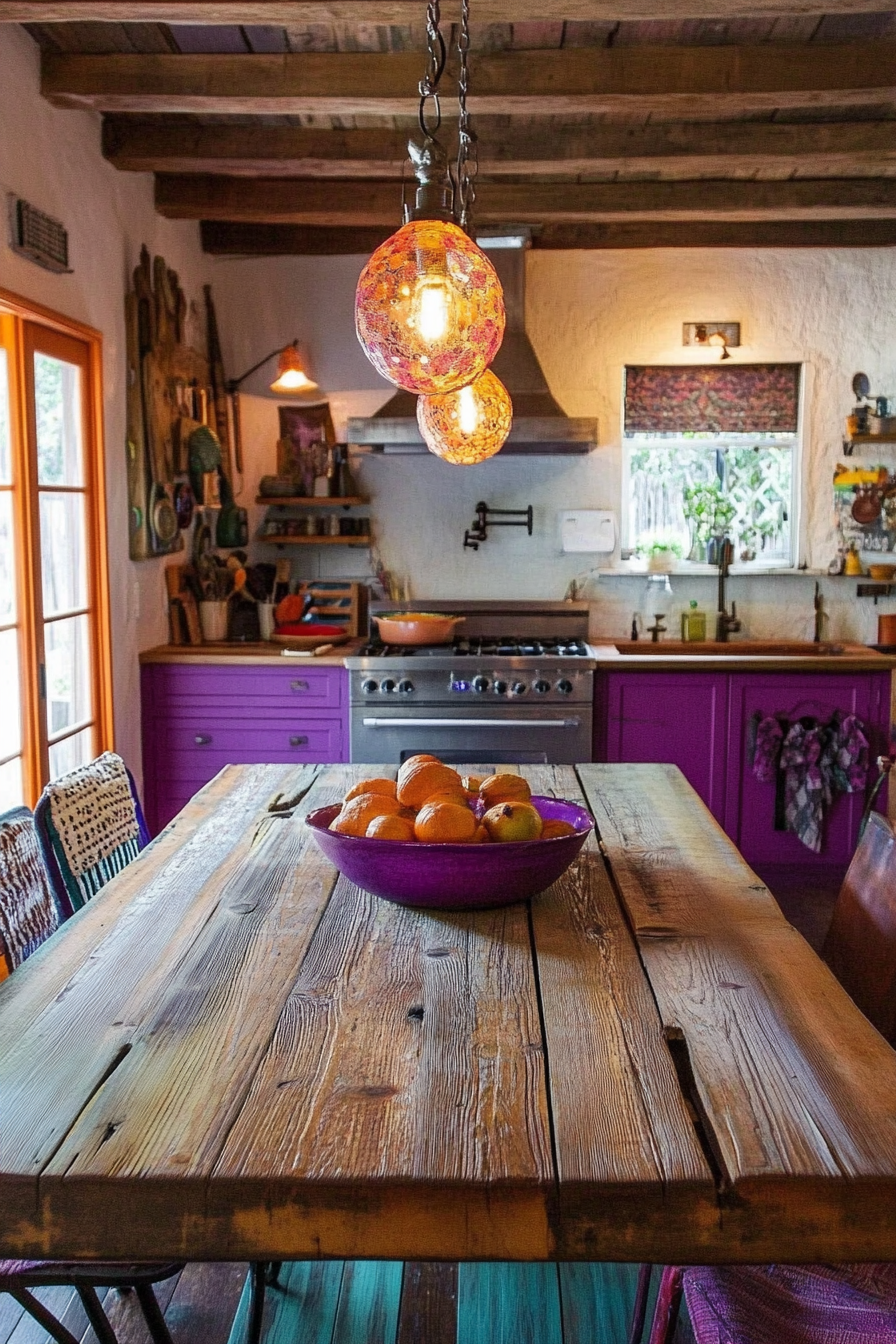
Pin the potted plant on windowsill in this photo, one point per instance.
(662, 555)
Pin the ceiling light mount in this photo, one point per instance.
(717, 334)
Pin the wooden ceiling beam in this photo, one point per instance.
(269, 240)
(539, 148)
(371, 204)
(289, 12)
(669, 81)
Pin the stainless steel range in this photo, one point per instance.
(516, 686)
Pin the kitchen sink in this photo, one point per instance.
(744, 648)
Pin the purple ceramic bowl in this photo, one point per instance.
(454, 877)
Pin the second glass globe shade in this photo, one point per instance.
(429, 308)
(469, 425)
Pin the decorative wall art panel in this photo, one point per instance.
(712, 398)
(865, 506)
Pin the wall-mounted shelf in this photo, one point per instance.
(866, 441)
(314, 541)
(311, 501)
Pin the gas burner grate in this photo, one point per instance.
(481, 647)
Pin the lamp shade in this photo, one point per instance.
(429, 308)
(467, 426)
(291, 375)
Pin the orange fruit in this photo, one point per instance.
(504, 789)
(551, 830)
(358, 813)
(390, 828)
(482, 836)
(449, 796)
(512, 821)
(385, 786)
(472, 783)
(419, 780)
(445, 824)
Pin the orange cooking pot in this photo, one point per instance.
(417, 627)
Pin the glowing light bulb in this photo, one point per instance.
(469, 425)
(429, 308)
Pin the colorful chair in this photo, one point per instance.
(28, 916)
(808, 1304)
(91, 826)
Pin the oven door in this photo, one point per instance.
(503, 735)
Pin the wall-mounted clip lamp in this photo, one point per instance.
(718, 334)
(291, 379)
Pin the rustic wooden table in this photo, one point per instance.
(231, 1053)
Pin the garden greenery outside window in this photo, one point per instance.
(712, 451)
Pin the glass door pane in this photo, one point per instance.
(64, 559)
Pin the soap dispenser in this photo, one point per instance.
(693, 623)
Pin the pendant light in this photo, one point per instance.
(467, 426)
(429, 308)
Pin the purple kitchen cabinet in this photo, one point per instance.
(680, 718)
(197, 719)
(750, 805)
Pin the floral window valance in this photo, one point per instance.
(695, 398)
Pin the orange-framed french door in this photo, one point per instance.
(55, 692)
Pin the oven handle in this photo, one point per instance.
(471, 723)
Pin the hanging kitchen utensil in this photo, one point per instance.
(184, 504)
(866, 506)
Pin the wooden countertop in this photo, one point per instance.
(232, 1052)
(234, 655)
(737, 657)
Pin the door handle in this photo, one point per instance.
(471, 723)
(298, 740)
(298, 686)
(202, 739)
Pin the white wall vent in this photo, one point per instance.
(38, 237)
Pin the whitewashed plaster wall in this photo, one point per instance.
(53, 159)
(588, 314)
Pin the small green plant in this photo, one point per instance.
(708, 512)
(660, 546)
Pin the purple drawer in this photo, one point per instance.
(197, 747)
(270, 689)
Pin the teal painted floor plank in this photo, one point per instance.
(301, 1309)
(369, 1302)
(597, 1302)
(508, 1304)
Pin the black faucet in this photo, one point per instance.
(725, 624)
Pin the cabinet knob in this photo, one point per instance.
(298, 685)
(298, 740)
(202, 739)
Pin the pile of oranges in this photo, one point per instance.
(433, 804)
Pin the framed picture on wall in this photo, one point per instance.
(306, 433)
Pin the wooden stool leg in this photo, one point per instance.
(668, 1301)
(95, 1314)
(639, 1310)
(55, 1329)
(256, 1301)
(152, 1314)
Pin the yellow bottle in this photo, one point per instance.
(852, 564)
(693, 624)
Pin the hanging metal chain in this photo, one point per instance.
(467, 147)
(428, 87)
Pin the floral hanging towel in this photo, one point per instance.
(805, 791)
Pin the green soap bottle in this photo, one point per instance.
(693, 623)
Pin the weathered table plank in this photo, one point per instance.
(231, 1053)
(796, 1091)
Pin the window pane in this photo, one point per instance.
(5, 422)
(7, 561)
(57, 396)
(10, 705)
(71, 752)
(68, 673)
(63, 552)
(12, 792)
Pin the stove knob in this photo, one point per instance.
(564, 687)
(519, 688)
(369, 686)
(499, 687)
(387, 686)
(405, 687)
(480, 685)
(541, 687)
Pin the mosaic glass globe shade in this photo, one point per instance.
(467, 426)
(429, 308)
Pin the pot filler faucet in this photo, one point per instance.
(725, 624)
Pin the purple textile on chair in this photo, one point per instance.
(792, 1304)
